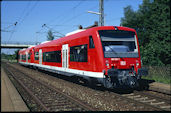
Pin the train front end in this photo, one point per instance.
(121, 57)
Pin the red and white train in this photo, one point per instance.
(108, 55)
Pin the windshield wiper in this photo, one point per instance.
(114, 52)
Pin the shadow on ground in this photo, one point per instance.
(144, 83)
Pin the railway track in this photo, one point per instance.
(139, 100)
(46, 96)
(151, 99)
(167, 92)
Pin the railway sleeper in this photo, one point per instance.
(165, 107)
(143, 98)
(134, 96)
(148, 100)
(157, 103)
(58, 105)
(62, 107)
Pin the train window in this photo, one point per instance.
(91, 42)
(119, 43)
(23, 57)
(28, 55)
(20, 57)
(36, 56)
(53, 56)
(78, 53)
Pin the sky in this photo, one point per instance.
(61, 16)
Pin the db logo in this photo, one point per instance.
(122, 62)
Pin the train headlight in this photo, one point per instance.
(123, 63)
(137, 64)
(107, 63)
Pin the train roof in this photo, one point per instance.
(31, 46)
(76, 31)
(22, 50)
(44, 42)
(83, 32)
(26, 49)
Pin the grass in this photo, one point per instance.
(160, 79)
(159, 74)
(5, 60)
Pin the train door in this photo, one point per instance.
(27, 57)
(40, 56)
(65, 56)
(20, 57)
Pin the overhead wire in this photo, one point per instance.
(79, 15)
(24, 17)
(69, 19)
(60, 17)
(52, 29)
(24, 11)
(12, 33)
(62, 25)
(4, 5)
(73, 8)
(78, 4)
(65, 20)
(19, 20)
(27, 14)
(7, 27)
(74, 17)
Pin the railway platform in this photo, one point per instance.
(10, 98)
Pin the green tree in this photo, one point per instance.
(8, 57)
(16, 54)
(50, 35)
(152, 23)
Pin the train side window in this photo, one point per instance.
(23, 57)
(29, 56)
(91, 42)
(52, 56)
(36, 56)
(78, 53)
(20, 57)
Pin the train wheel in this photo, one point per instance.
(143, 84)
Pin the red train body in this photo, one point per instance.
(108, 55)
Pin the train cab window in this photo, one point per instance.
(91, 42)
(36, 56)
(78, 53)
(53, 56)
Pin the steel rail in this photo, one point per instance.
(30, 93)
(78, 102)
(124, 98)
(159, 98)
(127, 96)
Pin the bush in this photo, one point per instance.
(159, 73)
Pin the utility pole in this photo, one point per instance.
(101, 11)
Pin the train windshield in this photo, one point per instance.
(119, 44)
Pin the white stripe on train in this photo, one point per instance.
(71, 71)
